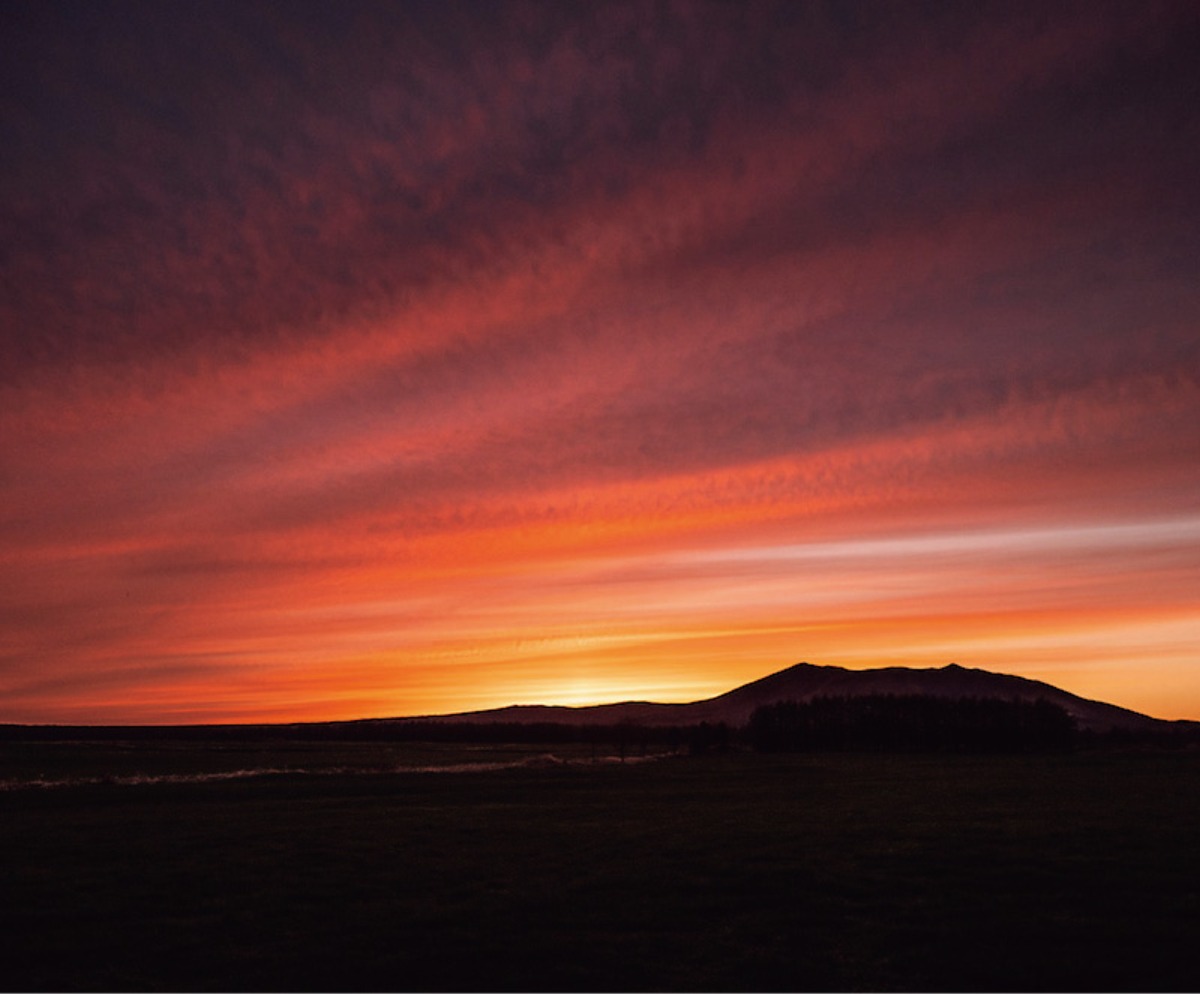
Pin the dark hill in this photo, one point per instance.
(804, 681)
(800, 683)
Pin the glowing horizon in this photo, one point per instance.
(426, 362)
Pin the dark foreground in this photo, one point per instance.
(729, 872)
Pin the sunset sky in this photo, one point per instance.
(382, 359)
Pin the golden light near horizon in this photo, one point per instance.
(402, 376)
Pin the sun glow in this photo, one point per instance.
(550, 370)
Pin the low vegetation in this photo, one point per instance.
(562, 868)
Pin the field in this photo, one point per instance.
(721, 872)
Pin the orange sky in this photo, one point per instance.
(359, 363)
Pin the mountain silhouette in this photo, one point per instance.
(806, 681)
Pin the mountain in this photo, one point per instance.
(805, 681)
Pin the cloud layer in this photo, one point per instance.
(374, 361)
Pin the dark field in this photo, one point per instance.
(730, 872)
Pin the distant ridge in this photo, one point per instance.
(804, 681)
(800, 683)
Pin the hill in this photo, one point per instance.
(801, 683)
(805, 681)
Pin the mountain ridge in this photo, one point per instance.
(805, 681)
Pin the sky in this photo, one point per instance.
(369, 359)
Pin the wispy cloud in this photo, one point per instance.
(365, 361)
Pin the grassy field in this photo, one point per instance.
(724, 872)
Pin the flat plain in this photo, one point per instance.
(389, 866)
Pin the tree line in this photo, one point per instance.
(917, 723)
(879, 722)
